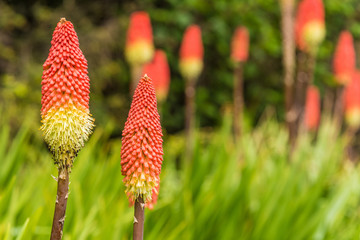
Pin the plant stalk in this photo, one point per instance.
(139, 217)
(339, 109)
(189, 116)
(60, 204)
(305, 75)
(288, 46)
(238, 96)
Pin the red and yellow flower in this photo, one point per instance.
(312, 108)
(142, 152)
(159, 71)
(310, 25)
(344, 58)
(139, 47)
(191, 53)
(352, 101)
(240, 45)
(66, 120)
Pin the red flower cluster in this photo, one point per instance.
(310, 25)
(240, 45)
(65, 79)
(139, 47)
(65, 115)
(141, 152)
(191, 53)
(344, 58)
(159, 71)
(352, 100)
(312, 108)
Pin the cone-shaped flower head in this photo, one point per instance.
(312, 108)
(191, 53)
(352, 101)
(344, 58)
(142, 152)
(66, 121)
(139, 47)
(310, 25)
(159, 71)
(240, 45)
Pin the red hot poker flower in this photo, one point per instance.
(191, 53)
(352, 101)
(312, 108)
(159, 71)
(240, 45)
(139, 47)
(310, 25)
(344, 58)
(66, 121)
(142, 152)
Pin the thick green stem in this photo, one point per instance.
(60, 204)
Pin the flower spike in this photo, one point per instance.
(312, 108)
(66, 120)
(191, 53)
(139, 47)
(240, 45)
(310, 25)
(142, 152)
(159, 71)
(344, 58)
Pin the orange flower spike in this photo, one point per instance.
(191, 53)
(344, 58)
(312, 108)
(159, 71)
(310, 25)
(66, 121)
(352, 101)
(142, 152)
(240, 45)
(139, 47)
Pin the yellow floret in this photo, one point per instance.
(65, 131)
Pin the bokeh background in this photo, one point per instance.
(25, 35)
(244, 191)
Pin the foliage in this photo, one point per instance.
(227, 191)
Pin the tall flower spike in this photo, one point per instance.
(139, 47)
(310, 25)
(312, 108)
(352, 101)
(66, 121)
(142, 152)
(191, 53)
(240, 45)
(159, 71)
(344, 58)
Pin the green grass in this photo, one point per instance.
(244, 191)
